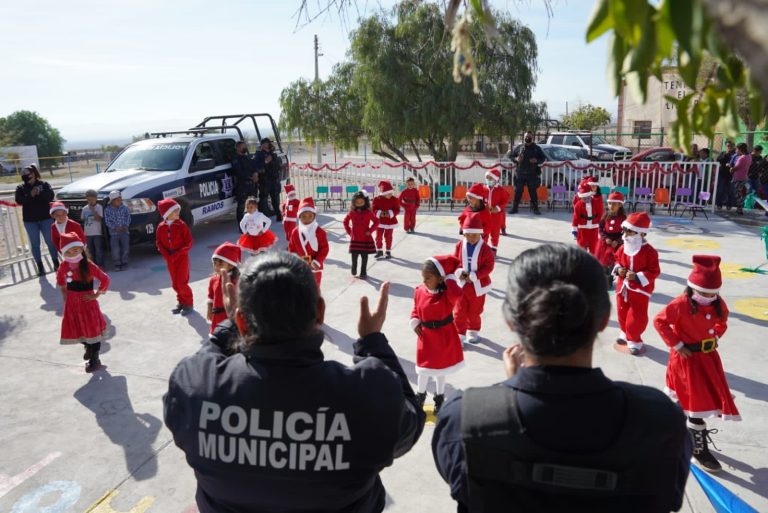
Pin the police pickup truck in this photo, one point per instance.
(192, 166)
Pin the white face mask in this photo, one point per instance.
(490, 183)
(632, 243)
(74, 259)
(169, 221)
(702, 300)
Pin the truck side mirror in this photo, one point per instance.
(203, 165)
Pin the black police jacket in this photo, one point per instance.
(243, 168)
(570, 415)
(525, 168)
(281, 430)
(269, 170)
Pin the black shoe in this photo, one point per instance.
(514, 210)
(503, 231)
(388, 255)
(186, 310)
(439, 399)
(88, 352)
(363, 276)
(634, 351)
(494, 250)
(379, 254)
(354, 271)
(55, 263)
(40, 268)
(420, 398)
(93, 362)
(177, 309)
(536, 211)
(701, 453)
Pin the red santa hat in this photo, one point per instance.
(591, 181)
(229, 253)
(706, 276)
(58, 205)
(385, 187)
(477, 191)
(445, 264)
(290, 190)
(616, 197)
(69, 240)
(638, 222)
(472, 224)
(307, 205)
(167, 206)
(584, 190)
(493, 174)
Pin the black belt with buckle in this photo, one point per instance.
(705, 346)
(438, 324)
(218, 310)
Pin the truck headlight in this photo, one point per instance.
(139, 205)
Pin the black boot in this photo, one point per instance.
(701, 453)
(40, 268)
(420, 398)
(388, 255)
(535, 207)
(177, 310)
(364, 266)
(515, 206)
(93, 363)
(88, 351)
(503, 230)
(439, 399)
(55, 261)
(354, 265)
(379, 254)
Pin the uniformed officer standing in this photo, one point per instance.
(246, 178)
(558, 435)
(268, 164)
(268, 425)
(528, 158)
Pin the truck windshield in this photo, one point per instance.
(593, 139)
(151, 157)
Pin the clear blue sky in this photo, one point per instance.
(102, 70)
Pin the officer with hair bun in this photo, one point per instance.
(558, 435)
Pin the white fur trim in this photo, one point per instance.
(73, 244)
(634, 345)
(678, 346)
(390, 213)
(615, 201)
(210, 301)
(290, 219)
(473, 230)
(643, 280)
(171, 210)
(452, 277)
(702, 289)
(58, 207)
(473, 276)
(630, 226)
(387, 226)
(423, 371)
(480, 290)
(584, 195)
(306, 209)
(439, 267)
(223, 259)
(473, 195)
(414, 322)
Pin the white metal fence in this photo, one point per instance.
(14, 244)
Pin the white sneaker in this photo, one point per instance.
(473, 337)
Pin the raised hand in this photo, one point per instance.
(372, 322)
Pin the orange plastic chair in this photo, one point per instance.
(661, 197)
(542, 194)
(425, 194)
(459, 195)
(526, 196)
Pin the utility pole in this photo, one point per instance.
(317, 83)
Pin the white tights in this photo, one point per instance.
(422, 381)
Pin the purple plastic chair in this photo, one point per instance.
(559, 195)
(682, 198)
(370, 189)
(643, 196)
(704, 198)
(336, 192)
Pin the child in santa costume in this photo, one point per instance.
(593, 185)
(410, 201)
(63, 224)
(360, 223)
(497, 202)
(438, 347)
(226, 258)
(692, 325)
(385, 208)
(637, 266)
(289, 208)
(476, 261)
(476, 196)
(610, 233)
(587, 213)
(82, 322)
(308, 240)
(174, 240)
(256, 236)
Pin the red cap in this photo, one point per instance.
(706, 276)
(58, 205)
(290, 189)
(494, 174)
(166, 206)
(306, 205)
(472, 224)
(69, 240)
(584, 190)
(638, 222)
(446, 264)
(616, 197)
(229, 253)
(385, 187)
(590, 180)
(478, 191)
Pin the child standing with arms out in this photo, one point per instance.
(385, 208)
(438, 347)
(289, 208)
(256, 236)
(610, 234)
(587, 213)
(117, 217)
(82, 322)
(497, 202)
(692, 325)
(410, 201)
(476, 196)
(225, 258)
(63, 224)
(92, 215)
(360, 223)
(174, 240)
(476, 261)
(637, 266)
(308, 240)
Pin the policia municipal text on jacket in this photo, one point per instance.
(273, 427)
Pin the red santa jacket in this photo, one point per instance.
(173, 239)
(289, 209)
(676, 324)
(497, 197)
(485, 219)
(610, 226)
(358, 222)
(587, 213)
(410, 199)
(479, 267)
(62, 275)
(70, 227)
(386, 208)
(645, 264)
(304, 250)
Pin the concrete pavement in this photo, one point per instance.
(78, 442)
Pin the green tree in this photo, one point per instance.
(398, 89)
(26, 128)
(587, 117)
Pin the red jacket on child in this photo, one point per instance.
(289, 209)
(386, 208)
(645, 264)
(581, 217)
(485, 218)
(303, 248)
(70, 227)
(174, 239)
(482, 262)
(410, 199)
(358, 222)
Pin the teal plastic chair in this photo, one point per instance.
(605, 191)
(323, 194)
(349, 191)
(627, 201)
(444, 194)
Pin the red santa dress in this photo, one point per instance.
(410, 201)
(229, 253)
(385, 207)
(57, 230)
(174, 242)
(477, 262)
(289, 209)
(587, 213)
(497, 198)
(256, 236)
(82, 321)
(360, 224)
(310, 242)
(610, 235)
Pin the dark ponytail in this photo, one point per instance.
(84, 268)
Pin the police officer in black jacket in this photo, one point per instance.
(558, 435)
(268, 164)
(246, 178)
(268, 425)
(528, 158)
